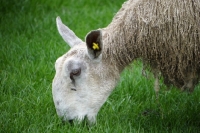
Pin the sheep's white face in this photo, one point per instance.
(83, 81)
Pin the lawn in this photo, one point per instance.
(29, 47)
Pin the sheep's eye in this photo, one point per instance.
(76, 72)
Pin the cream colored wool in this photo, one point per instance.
(164, 34)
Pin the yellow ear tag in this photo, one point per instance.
(95, 46)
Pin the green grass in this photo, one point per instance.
(29, 46)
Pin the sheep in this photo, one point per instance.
(163, 34)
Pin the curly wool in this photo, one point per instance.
(164, 34)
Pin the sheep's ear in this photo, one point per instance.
(67, 34)
(94, 43)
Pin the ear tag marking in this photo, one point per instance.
(95, 46)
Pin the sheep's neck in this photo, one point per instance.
(119, 48)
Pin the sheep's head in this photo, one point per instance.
(83, 80)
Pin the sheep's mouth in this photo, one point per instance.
(75, 121)
(71, 122)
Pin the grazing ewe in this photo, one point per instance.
(164, 34)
